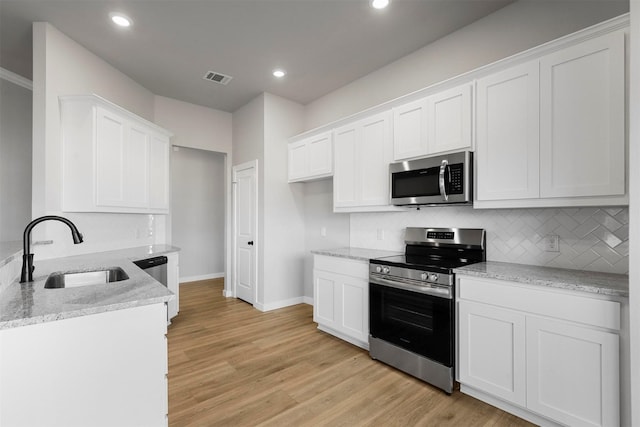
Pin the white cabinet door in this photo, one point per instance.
(345, 182)
(374, 156)
(110, 158)
(173, 279)
(492, 350)
(449, 120)
(363, 151)
(320, 155)
(572, 373)
(325, 311)
(136, 167)
(159, 148)
(354, 316)
(298, 160)
(311, 158)
(508, 134)
(410, 130)
(582, 140)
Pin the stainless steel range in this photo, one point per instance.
(411, 302)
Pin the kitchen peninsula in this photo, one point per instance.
(88, 354)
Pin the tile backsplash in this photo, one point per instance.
(593, 239)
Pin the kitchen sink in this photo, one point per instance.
(71, 279)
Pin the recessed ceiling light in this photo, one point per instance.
(279, 73)
(120, 19)
(380, 4)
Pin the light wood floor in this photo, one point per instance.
(232, 365)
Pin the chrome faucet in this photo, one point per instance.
(27, 256)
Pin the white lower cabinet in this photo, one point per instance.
(547, 356)
(341, 298)
(107, 369)
(173, 275)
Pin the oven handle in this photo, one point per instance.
(443, 187)
(436, 291)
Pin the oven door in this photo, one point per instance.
(417, 322)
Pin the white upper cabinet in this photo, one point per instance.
(311, 158)
(551, 132)
(410, 130)
(438, 123)
(363, 151)
(449, 120)
(507, 135)
(582, 108)
(113, 160)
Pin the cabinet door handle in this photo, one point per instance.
(250, 243)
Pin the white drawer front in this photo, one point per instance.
(538, 300)
(346, 266)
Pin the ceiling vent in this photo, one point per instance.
(217, 77)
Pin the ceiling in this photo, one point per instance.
(322, 44)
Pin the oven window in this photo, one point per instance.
(416, 322)
(420, 183)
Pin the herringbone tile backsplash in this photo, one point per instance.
(593, 239)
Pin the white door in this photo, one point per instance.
(245, 193)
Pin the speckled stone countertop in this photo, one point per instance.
(560, 278)
(361, 254)
(24, 304)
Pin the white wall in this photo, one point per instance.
(634, 210)
(198, 212)
(283, 206)
(15, 159)
(248, 145)
(512, 29)
(261, 130)
(318, 213)
(63, 67)
(195, 126)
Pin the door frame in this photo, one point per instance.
(252, 164)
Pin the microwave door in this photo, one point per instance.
(442, 179)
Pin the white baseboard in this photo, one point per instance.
(280, 304)
(228, 293)
(202, 277)
(307, 300)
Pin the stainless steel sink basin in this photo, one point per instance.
(70, 279)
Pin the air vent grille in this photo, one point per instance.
(217, 77)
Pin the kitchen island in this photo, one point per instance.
(88, 355)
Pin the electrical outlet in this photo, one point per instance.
(323, 232)
(551, 243)
(380, 234)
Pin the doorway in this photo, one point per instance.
(198, 212)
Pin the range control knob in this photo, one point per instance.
(433, 277)
(423, 276)
(385, 270)
(378, 269)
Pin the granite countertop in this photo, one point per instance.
(560, 278)
(24, 304)
(361, 254)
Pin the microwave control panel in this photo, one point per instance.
(456, 179)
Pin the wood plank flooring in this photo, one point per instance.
(232, 365)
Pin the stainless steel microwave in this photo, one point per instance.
(438, 180)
